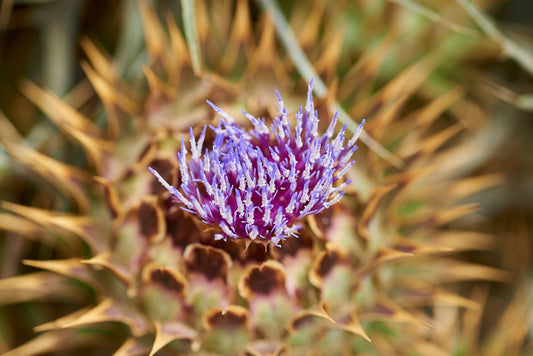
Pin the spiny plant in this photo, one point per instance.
(207, 262)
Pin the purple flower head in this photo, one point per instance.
(259, 183)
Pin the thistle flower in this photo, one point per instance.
(258, 183)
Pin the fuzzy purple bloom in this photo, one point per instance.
(260, 182)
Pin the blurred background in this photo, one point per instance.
(45, 42)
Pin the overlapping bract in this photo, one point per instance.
(260, 182)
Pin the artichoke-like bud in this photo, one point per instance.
(243, 247)
(259, 183)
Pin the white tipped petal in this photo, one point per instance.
(333, 201)
(356, 135)
(161, 180)
(221, 112)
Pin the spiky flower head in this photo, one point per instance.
(260, 182)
